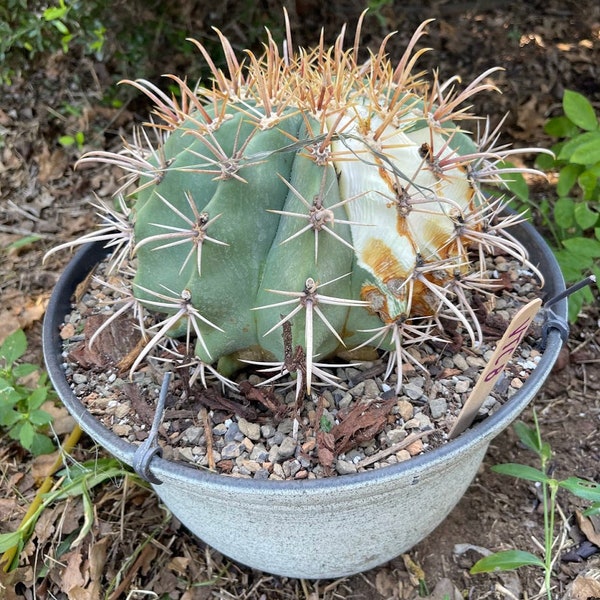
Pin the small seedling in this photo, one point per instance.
(509, 560)
(20, 401)
(77, 139)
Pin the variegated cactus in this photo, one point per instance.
(311, 189)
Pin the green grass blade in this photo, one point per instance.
(506, 560)
(522, 472)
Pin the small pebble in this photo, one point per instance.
(344, 467)
(278, 472)
(193, 435)
(220, 429)
(267, 431)
(354, 456)
(516, 383)
(460, 362)
(438, 408)
(233, 433)
(231, 450)
(405, 409)
(403, 455)
(187, 454)
(287, 448)
(462, 386)
(419, 421)
(412, 391)
(346, 400)
(291, 467)
(122, 410)
(476, 361)
(276, 438)
(250, 430)
(396, 435)
(415, 448)
(252, 466)
(286, 426)
(371, 389)
(122, 429)
(259, 453)
(358, 390)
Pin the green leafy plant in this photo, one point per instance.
(349, 208)
(76, 480)
(576, 212)
(30, 30)
(20, 402)
(572, 218)
(509, 560)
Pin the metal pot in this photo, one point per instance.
(319, 528)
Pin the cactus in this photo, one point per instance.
(307, 193)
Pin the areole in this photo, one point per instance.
(327, 527)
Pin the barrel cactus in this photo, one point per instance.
(305, 203)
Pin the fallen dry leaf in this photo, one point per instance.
(148, 557)
(385, 583)
(179, 564)
(62, 421)
(590, 526)
(586, 586)
(415, 572)
(52, 164)
(97, 565)
(41, 467)
(72, 575)
(9, 581)
(9, 507)
(362, 423)
(5, 120)
(22, 313)
(445, 590)
(81, 593)
(325, 446)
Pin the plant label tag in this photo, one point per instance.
(503, 353)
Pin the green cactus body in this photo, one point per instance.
(311, 191)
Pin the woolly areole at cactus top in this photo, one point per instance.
(302, 203)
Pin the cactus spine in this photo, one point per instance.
(305, 190)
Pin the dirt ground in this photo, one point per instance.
(135, 549)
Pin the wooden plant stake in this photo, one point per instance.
(502, 354)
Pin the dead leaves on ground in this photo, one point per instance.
(110, 561)
(19, 311)
(585, 586)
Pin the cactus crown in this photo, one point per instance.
(303, 191)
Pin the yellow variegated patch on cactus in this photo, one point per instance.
(302, 190)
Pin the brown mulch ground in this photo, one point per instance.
(135, 549)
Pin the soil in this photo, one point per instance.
(135, 550)
(372, 423)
